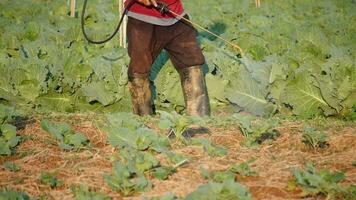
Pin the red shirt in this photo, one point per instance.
(174, 5)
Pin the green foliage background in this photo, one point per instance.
(299, 55)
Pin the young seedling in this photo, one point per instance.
(127, 179)
(314, 139)
(323, 182)
(167, 196)
(82, 192)
(225, 190)
(125, 131)
(256, 132)
(11, 166)
(209, 147)
(242, 169)
(176, 124)
(66, 137)
(50, 179)
(8, 193)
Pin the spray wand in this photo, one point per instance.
(162, 8)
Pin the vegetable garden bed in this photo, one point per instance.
(283, 124)
(268, 175)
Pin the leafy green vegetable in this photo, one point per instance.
(162, 173)
(176, 159)
(219, 176)
(66, 137)
(244, 169)
(50, 179)
(124, 137)
(125, 131)
(245, 122)
(209, 147)
(8, 139)
(11, 194)
(33, 31)
(177, 124)
(229, 175)
(11, 166)
(307, 100)
(128, 174)
(6, 113)
(256, 132)
(324, 183)
(245, 92)
(167, 196)
(219, 191)
(55, 102)
(136, 158)
(126, 181)
(138, 161)
(97, 92)
(85, 193)
(301, 62)
(314, 139)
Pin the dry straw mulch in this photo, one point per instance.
(274, 163)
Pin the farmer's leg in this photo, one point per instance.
(188, 58)
(142, 49)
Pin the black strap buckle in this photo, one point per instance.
(162, 8)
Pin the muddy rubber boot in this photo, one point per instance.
(195, 92)
(139, 86)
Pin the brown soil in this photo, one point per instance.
(274, 161)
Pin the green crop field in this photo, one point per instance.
(284, 109)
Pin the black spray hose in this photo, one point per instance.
(162, 8)
(113, 34)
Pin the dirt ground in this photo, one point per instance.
(274, 161)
